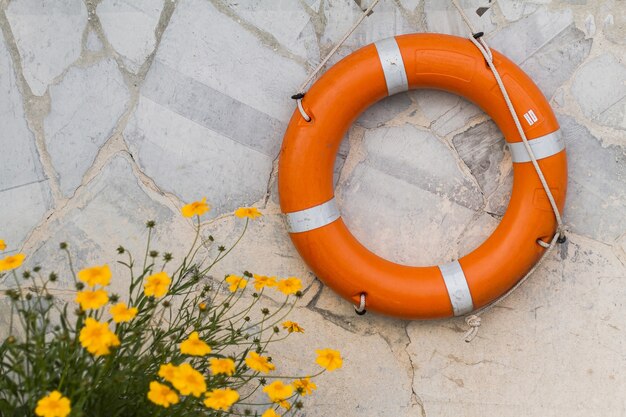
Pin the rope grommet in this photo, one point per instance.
(360, 310)
(543, 244)
(562, 238)
(298, 97)
(478, 35)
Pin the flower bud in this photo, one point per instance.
(150, 224)
(63, 245)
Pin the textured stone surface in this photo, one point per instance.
(112, 135)
(129, 26)
(24, 191)
(111, 210)
(48, 35)
(85, 107)
(600, 89)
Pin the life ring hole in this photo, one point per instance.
(423, 177)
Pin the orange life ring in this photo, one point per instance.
(307, 158)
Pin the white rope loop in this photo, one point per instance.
(301, 90)
(473, 320)
(360, 310)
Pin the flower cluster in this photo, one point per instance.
(176, 340)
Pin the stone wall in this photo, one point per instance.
(113, 112)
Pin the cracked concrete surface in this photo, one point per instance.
(116, 111)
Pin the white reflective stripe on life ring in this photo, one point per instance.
(312, 218)
(393, 65)
(458, 290)
(543, 147)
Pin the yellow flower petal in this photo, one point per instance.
(194, 346)
(261, 281)
(270, 413)
(122, 313)
(292, 326)
(222, 366)
(221, 399)
(12, 262)
(53, 405)
(249, 212)
(259, 363)
(3, 245)
(162, 395)
(92, 299)
(168, 372)
(304, 386)
(188, 381)
(96, 275)
(236, 282)
(289, 285)
(329, 359)
(97, 338)
(278, 391)
(197, 208)
(156, 285)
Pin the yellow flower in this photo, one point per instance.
(53, 405)
(222, 366)
(97, 338)
(89, 299)
(162, 395)
(289, 285)
(3, 245)
(278, 391)
(221, 399)
(12, 262)
(194, 346)
(259, 363)
(121, 313)
(292, 326)
(197, 208)
(156, 285)
(168, 372)
(270, 413)
(304, 386)
(96, 275)
(189, 381)
(261, 281)
(202, 306)
(285, 404)
(236, 282)
(329, 359)
(249, 212)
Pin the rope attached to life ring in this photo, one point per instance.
(473, 320)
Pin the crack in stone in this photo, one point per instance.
(416, 400)
(265, 37)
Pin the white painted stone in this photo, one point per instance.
(285, 20)
(447, 112)
(226, 57)
(523, 38)
(372, 382)
(443, 17)
(596, 195)
(401, 221)
(600, 89)
(85, 108)
(48, 35)
(418, 158)
(24, 191)
(552, 349)
(590, 25)
(112, 211)
(386, 21)
(556, 62)
(129, 27)
(385, 110)
(516, 9)
(93, 43)
(483, 150)
(192, 161)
